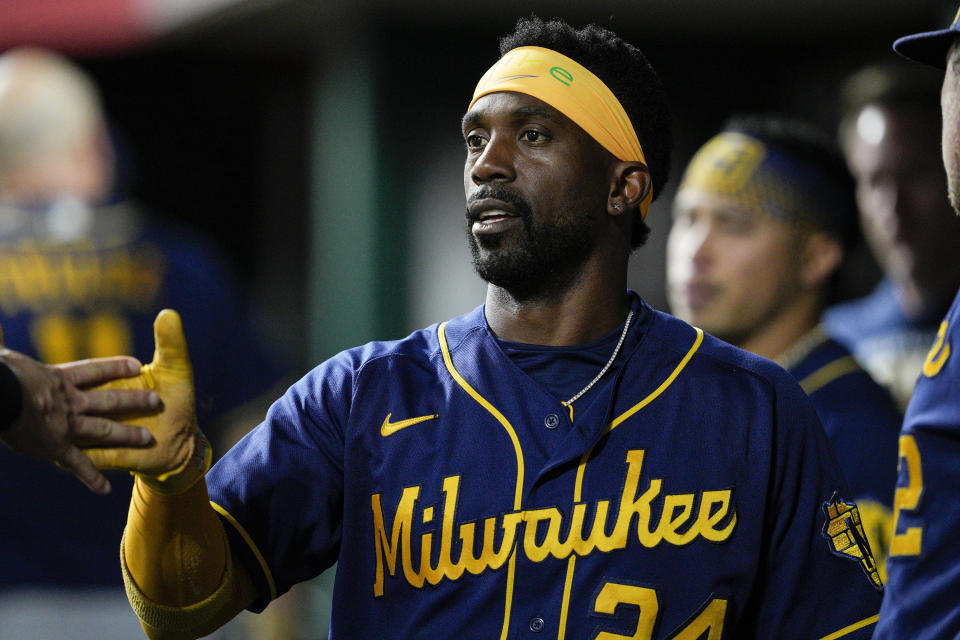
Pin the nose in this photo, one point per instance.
(890, 209)
(688, 250)
(495, 162)
(698, 245)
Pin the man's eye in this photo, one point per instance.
(474, 141)
(736, 225)
(531, 135)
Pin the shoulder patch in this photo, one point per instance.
(844, 530)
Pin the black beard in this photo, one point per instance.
(954, 197)
(541, 261)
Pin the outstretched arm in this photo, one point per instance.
(181, 579)
(180, 576)
(48, 413)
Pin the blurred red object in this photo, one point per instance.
(74, 26)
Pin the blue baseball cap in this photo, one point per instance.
(929, 47)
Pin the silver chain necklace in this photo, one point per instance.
(606, 367)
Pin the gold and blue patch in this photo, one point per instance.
(844, 529)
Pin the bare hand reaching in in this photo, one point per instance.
(55, 414)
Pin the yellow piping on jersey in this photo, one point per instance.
(828, 373)
(825, 374)
(802, 347)
(851, 628)
(939, 353)
(271, 585)
(518, 491)
(578, 488)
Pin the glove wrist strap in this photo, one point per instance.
(189, 473)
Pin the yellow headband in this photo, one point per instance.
(763, 180)
(574, 91)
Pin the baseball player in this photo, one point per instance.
(921, 598)
(760, 222)
(83, 273)
(563, 461)
(890, 136)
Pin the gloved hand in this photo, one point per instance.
(180, 454)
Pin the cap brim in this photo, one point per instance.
(929, 48)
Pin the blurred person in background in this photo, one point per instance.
(760, 223)
(890, 135)
(83, 272)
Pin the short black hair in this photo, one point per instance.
(627, 73)
(811, 148)
(896, 85)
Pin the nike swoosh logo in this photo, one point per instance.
(389, 428)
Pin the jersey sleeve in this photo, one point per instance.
(920, 602)
(862, 425)
(924, 576)
(820, 579)
(279, 491)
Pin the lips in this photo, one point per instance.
(489, 215)
(698, 294)
(485, 208)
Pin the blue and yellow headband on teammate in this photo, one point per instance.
(574, 91)
(763, 180)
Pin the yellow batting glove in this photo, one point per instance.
(180, 454)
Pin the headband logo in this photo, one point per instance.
(726, 163)
(562, 75)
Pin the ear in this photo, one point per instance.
(821, 256)
(629, 184)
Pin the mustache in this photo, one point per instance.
(502, 193)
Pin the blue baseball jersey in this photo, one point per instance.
(694, 494)
(890, 345)
(921, 599)
(98, 295)
(862, 423)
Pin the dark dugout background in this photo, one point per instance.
(218, 122)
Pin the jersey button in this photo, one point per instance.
(552, 421)
(537, 625)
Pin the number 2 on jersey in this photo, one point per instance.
(908, 542)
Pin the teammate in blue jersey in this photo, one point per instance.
(83, 273)
(563, 461)
(760, 223)
(921, 598)
(890, 136)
